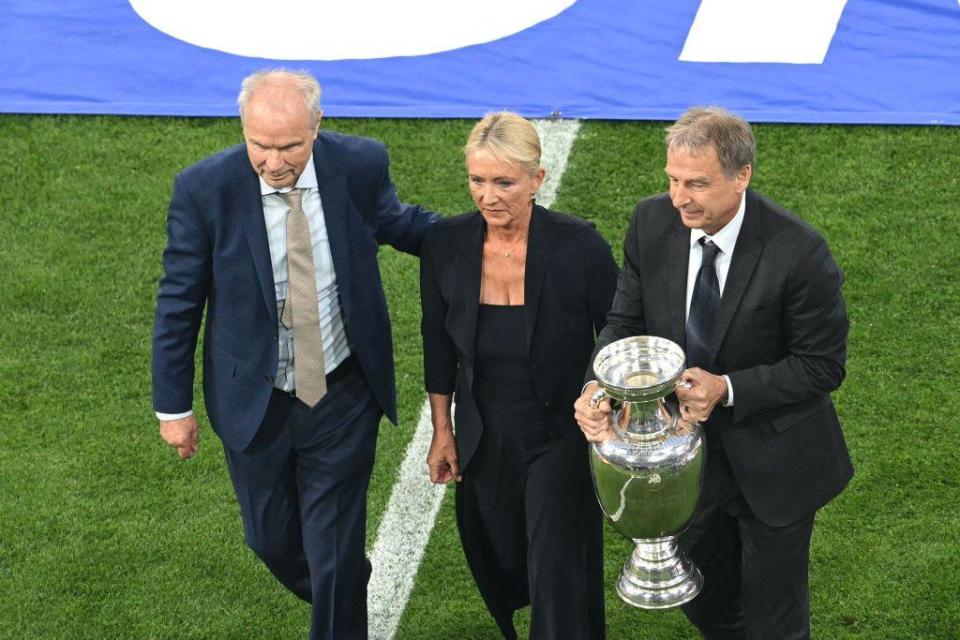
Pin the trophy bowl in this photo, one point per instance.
(648, 474)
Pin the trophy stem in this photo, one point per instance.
(658, 575)
(643, 421)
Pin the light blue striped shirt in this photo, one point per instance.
(335, 346)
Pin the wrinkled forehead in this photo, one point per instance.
(700, 150)
(490, 157)
(702, 159)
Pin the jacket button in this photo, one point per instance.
(268, 378)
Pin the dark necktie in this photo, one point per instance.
(704, 307)
(300, 310)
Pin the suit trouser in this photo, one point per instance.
(755, 575)
(302, 489)
(530, 523)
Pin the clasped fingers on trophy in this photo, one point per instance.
(698, 393)
(594, 414)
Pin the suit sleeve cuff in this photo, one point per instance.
(173, 416)
(729, 401)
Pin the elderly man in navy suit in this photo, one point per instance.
(753, 295)
(278, 239)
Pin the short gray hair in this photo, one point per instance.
(509, 137)
(303, 81)
(729, 135)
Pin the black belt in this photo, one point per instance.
(347, 366)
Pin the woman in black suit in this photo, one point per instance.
(513, 295)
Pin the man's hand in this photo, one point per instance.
(442, 458)
(595, 422)
(183, 435)
(700, 394)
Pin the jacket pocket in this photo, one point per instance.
(817, 409)
(222, 361)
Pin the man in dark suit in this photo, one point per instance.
(278, 239)
(753, 295)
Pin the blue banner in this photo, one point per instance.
(827, 61)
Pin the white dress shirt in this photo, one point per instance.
(726, 241)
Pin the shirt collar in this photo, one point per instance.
(726, 238)
(307, 180)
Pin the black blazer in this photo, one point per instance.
(218, 258)
(781, 337)
(568, 287)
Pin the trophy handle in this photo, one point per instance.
(597, 397)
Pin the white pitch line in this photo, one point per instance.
(556, 141)
(415, 501)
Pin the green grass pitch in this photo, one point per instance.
(103, 534)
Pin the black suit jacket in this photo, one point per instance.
(218, 257)
(568, 287)
(781, 338)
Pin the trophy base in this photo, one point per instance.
(658, 575)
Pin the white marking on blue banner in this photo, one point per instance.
(786, 31)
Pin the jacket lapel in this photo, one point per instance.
(465, 298)
(746, 253)
(678, 264)
(336, 216)
(538, 252)
(255, 229)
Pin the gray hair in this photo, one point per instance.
(302, 81)
(509, 137)
(729, 135)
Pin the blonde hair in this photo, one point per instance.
(508, 137)
(729, 135)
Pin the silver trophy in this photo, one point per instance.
(648, 475)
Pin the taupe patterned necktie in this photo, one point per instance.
(300, 310)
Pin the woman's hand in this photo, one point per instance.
(442, 458)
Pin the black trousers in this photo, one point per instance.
(302, 488)
(755, 576)
(530, 524)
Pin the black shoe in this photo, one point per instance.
(369, 567)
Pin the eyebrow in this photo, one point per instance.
(701, 179)
(477, 175)
(265, 146)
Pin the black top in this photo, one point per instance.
(503, 372)
(501, 345)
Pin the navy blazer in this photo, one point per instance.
(569, 283)
(781, 337)
(218, 256)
